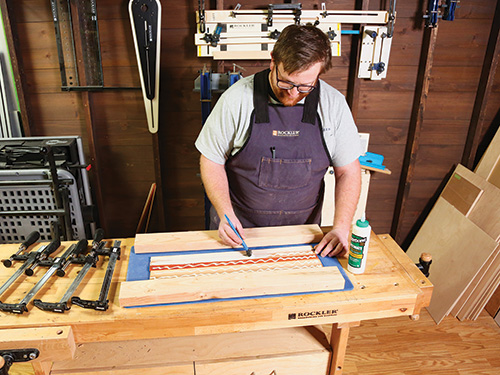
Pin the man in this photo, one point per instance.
(270, 139)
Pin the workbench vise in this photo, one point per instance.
(8, 357)
(424, 263)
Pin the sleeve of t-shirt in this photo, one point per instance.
(347, 142)
(215, 140)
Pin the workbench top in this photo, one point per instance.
(391, 286)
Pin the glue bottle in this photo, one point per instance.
(358, 249)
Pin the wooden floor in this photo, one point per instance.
(399, 346)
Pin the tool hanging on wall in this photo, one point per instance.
(90, 261)
(57, 265)
(145, 19)
(251, 34)
(102, 303)
(86, 59)
(433, 13)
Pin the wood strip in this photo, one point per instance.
(159, 194)
(459, 248)
(146, 211)
(152, 292)
(54, 343)
(490, 64)
(191, 265)
(202, 240)
(416, 121)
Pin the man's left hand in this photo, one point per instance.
(334, 243)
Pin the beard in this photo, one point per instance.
(287, 100)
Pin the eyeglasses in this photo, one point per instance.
(286, 85)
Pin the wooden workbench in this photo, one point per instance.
(277, 334)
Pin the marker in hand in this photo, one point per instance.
(248, 251)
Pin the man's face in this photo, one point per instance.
(303, 78)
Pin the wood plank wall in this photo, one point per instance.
(124, 148)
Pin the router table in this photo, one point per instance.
(304, 334)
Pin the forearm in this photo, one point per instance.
(347, 190)
(214, 180)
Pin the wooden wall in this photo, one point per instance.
(113, 126)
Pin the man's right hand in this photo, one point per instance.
(226, 233)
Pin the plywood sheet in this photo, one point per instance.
(200, 240)
(486, 211)
(489, 165)
(461, 193)
(473, 298)
(459, 248)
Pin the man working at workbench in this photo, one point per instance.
(268, 143)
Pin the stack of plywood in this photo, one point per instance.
(462, 232)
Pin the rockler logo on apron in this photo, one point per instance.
(286, 133)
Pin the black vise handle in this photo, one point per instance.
(8, 357)
(424, 263)
(30, 240)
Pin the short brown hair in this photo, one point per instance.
(299, 47)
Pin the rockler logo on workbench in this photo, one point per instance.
(286, 133)
(312, 314)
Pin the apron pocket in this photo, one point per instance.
(284, 173)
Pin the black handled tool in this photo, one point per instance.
(90, 261)
(30, 240)
(43, 258)
(59, 262)
(102, 303)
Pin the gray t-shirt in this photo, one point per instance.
(227, 127)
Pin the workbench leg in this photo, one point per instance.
(338, 342)
(42, 368)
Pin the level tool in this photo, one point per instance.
(145, 19)
(90, 261)
(73, 251)
(102, 303)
